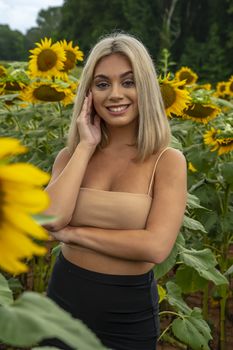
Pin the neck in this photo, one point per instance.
(121, 137)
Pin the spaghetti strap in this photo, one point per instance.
(152, 176)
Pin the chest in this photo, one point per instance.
(120, 173)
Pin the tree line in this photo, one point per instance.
(197, 33)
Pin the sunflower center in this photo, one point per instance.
(222, 88)
(168, 94)
(46, 60)
(186, 75)
(70, 60)
(12, 86)
(199, 111)
(48, 94)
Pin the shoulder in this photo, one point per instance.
(170, 157)
(62, 157)
(171, 167)
(60, 162)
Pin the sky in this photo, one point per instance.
(22, 14)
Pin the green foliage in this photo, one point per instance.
(189, 326)
(11, 44)
(34, 317)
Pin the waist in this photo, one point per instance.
(106, 277)
(97, 262)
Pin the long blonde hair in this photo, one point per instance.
(153, 127)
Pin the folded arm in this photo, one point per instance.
(154, 243)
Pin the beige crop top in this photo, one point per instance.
(113, 210)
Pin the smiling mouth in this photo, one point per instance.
(118, 108)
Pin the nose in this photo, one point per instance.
(116, 92)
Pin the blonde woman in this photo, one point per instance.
(119, 193)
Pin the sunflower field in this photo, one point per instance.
(195, 281)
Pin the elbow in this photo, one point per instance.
(56, 225)
(159, 255)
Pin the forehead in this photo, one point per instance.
(114, 63)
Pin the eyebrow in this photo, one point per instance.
(102, 76)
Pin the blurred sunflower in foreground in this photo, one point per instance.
(221, 142)
(175, 98)
(20, 197)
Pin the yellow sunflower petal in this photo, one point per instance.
(26, 173)
(185, 73)
(24, 222)
(32, 200)
(174, 97)
(10, 146)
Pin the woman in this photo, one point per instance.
(119, 194)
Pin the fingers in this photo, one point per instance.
(96, 120)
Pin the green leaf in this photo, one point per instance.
(214, 275)
(229, 271)
(200, 323)
(161, 269)
(6, 296)
(203, 261)
(176, 143)
(174, 298)
(42, 219)
(189, 280)
(226, 169)
(56, 250)
(186, 331)
(34, 317)
(194, 202)
(193, 224)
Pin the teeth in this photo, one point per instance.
(117, 109)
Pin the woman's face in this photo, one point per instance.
(114, 91)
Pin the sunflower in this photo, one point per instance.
(201, 87)
(210, 136)
(174, 97)
(73, 54)
(185, 73)
(47, 59)
(13, 85)
(2, 71)
(221, 89)
(20, 197)
(191, 167)
(229, 87)
(48, 92)
(201, 113)
(222, 143)
(225, 145)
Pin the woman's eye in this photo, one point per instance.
(128, 83)
(102, 85)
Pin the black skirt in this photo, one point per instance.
(122, 310)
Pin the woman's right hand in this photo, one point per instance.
(90, 134)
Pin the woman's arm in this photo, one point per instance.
(68, 170)
(154, 243)
(63, 188)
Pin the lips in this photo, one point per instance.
(117, 109)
